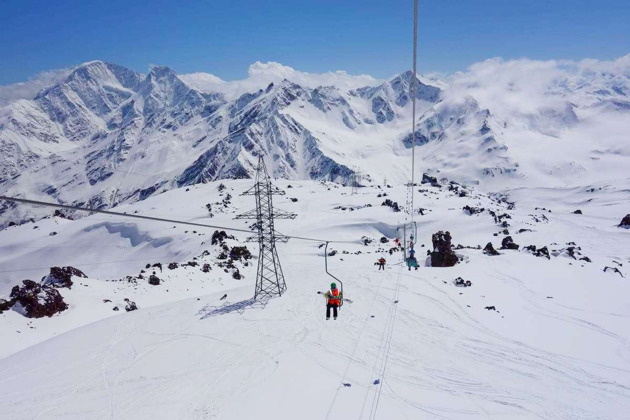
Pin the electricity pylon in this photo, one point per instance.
(269, 277)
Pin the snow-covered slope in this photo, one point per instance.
(105, 135)
(411, 345)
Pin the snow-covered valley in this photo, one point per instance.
(531, 337)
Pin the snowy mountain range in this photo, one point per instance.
(104, 135)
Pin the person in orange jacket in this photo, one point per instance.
(333, 300)
(381, 263)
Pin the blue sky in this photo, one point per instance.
(359, 36)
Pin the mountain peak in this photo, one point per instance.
(162, 71)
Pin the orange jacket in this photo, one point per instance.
(381, 261)
(334, 297)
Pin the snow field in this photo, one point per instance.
(555, 347)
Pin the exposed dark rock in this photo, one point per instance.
(384, 240)
(460, 282)
(614, 269)
(625, 222)
(159, 265)
(206, 268)
(577, 211)
(392, 204)
(115, 308)
(192, 264)
(294, 199)
(587, 259)
(236, 275)
(62, 276)
(489, 249)
(366, 240)
(543, 252)
(332, 253)
(540, 252)
(524, 230)
(37, 301)
(472, 210)
(490, 308)
(443, 254)
(130, 306)
(498, 219)
(5, 305)
(219, 237)
(428, 179)
(508, 243)
(154, 280)
(173, 266)
(240, 252)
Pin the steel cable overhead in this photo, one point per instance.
(413, 96)
(155, 219)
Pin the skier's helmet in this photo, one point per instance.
(333, 285)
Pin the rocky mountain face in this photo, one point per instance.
(106, 135)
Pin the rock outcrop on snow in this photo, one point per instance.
(489, 249)
(508, 243)
(539, 252)
(625, 222)
(62, 276)
(443, 254)
(394, 205)
(34, 300)
(431, 180)
(469, 210)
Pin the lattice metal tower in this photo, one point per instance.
(269, 277)
(356, 180)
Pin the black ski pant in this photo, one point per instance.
(334, 308)
(381, 266)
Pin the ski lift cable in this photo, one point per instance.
(155, 219)
(388, 344)
(413, 100)
(356, 346)
(391, 321)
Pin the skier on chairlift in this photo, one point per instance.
(333, 300)
(412, 262)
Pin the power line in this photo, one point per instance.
(155, 219)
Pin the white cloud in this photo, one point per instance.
(260, 75)
(28, 90)
(524, 86)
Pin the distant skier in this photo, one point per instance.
(381, 263)
(333, 300)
